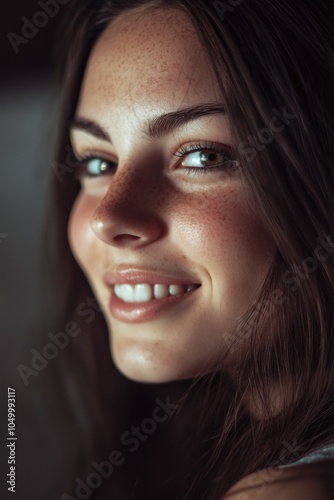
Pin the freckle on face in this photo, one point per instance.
(148, 214)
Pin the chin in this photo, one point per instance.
(145, 367)
(144, 373)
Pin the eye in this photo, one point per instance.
(203, 158)
(93, 167)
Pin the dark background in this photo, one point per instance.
(28, 116)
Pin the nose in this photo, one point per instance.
(128, 214)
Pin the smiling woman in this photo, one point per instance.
(161, 200)
(202, 185)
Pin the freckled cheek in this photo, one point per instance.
(81, 237)
(223, 236)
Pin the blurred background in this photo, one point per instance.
(28, 107)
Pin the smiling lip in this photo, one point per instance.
(138, 276)
(144, 311)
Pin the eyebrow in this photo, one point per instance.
(159, 126)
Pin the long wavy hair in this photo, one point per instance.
(274, 61)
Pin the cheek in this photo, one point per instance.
(222, 233)
(81, 238)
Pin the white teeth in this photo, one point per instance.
(127, 293)
(134, 293)
(161, 291)
(176, 289)
(145, 292)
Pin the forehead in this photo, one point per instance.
(149, 58)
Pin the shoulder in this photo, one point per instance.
(307, 482)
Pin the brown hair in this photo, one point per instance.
(274, 60)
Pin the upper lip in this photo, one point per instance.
(134, 276)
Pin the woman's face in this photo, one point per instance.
(164, 221)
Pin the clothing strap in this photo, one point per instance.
(319, 455)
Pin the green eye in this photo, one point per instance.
(96, 166)
(93, 167)
(205, 158)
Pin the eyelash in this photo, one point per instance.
(225, 151)
(183, 152)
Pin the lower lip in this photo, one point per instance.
(144, 311)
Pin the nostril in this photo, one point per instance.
(125, 238)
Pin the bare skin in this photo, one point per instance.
(147, 211)
(152, 212)
(303, 482)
